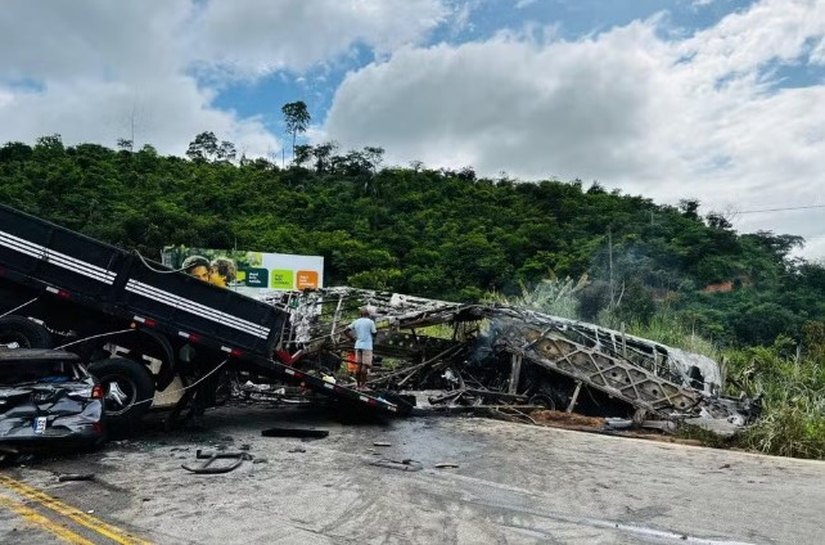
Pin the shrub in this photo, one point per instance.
(793, 396)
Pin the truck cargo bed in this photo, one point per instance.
(115, 285)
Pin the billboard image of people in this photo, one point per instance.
(250, 273)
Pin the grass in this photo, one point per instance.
(788, 377)
(665, 327)
(793, 397)
(551, 296)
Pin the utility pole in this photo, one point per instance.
(610, 263)
(132, 126)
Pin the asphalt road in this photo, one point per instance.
(514, 484)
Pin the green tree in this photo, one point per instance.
(324, 154)
(296, 119)
(203, 147)
(447, 234)
(302, 154)
(226, 151)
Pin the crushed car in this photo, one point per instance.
(48, 399)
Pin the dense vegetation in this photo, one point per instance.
(433, 233)
(452, 235)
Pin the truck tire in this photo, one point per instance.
(24, 332)
(128, 390)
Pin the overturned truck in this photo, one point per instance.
(492, 355)
(142, 329)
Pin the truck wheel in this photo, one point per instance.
(128, 390)
(24, 332)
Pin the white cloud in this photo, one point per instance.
(87, 69)
(260, 36)
(6, 98)
(692, 117)
(167, 112)
(815, 249)
(771, 30)
(817, 54)
(92, 70)
(94, 38)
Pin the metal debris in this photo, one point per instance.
(491, 357)
(208, 469)
(301, 433)
(64, 477)
(406, 464)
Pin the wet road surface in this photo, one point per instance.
(513, 484)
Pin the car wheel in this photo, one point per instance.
(128, 390)
(24, 332)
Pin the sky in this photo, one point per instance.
(722, 101)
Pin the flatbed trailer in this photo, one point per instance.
(56, 283)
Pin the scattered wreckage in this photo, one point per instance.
(512, 360)
(144, 329)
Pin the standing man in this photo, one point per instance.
(362, 332)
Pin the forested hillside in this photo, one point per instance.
(434, 233)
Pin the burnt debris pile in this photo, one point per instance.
(514, 361)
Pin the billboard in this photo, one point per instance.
(250, 273)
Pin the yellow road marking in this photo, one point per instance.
(84, 519)
(33, 517)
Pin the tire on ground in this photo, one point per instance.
(128, 391)
(25, 332)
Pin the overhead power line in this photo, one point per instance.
(808, 207)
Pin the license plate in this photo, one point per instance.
(40, 424)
